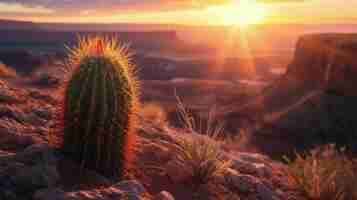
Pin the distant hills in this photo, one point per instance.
(87, 27)
(53, 36)
(18, 25)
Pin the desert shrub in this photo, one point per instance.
(199, 152)
(324, 174)
(6, 71)
(201, 158)
(154, 112)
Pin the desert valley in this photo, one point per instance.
(211, 115)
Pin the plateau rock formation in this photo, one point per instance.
(312, 104)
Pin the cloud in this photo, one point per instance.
(107, 7)
(71, 5)
(17, 8)
(280, 1)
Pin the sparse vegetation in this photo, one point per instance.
(6, 71)
(99, 107)
(199, 154)
(324, 174)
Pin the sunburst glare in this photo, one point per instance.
(241, 13)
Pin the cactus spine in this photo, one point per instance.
(99, 106)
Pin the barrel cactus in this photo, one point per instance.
(100, 101)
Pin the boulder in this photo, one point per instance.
(21, 60)
(126, 190)
(164, 195)
(247, 184)
(31, 178)
(47, 80)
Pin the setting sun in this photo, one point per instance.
(241, 13)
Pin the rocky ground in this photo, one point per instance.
(30, 169)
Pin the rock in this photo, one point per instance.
(8, 195)
(266, 193)
(262, 170)
(257, 169)
(11, 134)
(252, 157)
(37, 154)
(240, 183)
(25, 172)
(248, 184)
(128, 190)
(12, 113)
(47, 80)
(131, 187)
(43, 113)
(176, 173)
(33, 119)
(51, 194)
(38, 95)
(164, 195)
(6, 94)
(29, 179)
(23, 61)
(24, 140)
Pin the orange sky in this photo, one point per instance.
(193, 12)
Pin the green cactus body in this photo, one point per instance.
(100, 101)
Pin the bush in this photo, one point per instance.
(199, 153)
(201, 158)
(324, 174)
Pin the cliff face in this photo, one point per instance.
(314, 103)
(326, 60)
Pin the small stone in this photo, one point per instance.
(29, 179)
(25, 140)
(128, 190)
(252, 157)
(243, 166)
(266, 193)
(164, 195)
(38, 153)
(241, 183)
(263, 171)
(34, 119)
(43, 113)
(54, 194)
(8, 195)
(132, 186)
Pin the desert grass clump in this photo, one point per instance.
(201, 158)
(100, 101)
(6, 71)
(324, 174)
(199, 152)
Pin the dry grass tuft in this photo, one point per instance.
(199, 153)
(324, 174)
(6, 71)
(201, 158)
